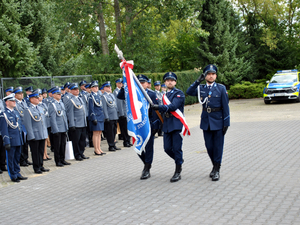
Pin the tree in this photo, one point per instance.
(220, 47)
(16, 51)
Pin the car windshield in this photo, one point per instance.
(284, 78)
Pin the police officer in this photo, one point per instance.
(44, 93)
(110, 111)
(149, 83)
(172, 126)
(82, 87)
(66, 96)
(11, 129)
(8, 90)
(34, 121)
(96, 117)
(59, 127)
(163, 89)
(159, 99)
(20, 108)
(44, 107)
(76, 113)
(121, 104)
(147, 155)
(2, 149)
(84, 95)
(28, 90)
(215, 117)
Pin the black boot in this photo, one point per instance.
(176, 176)
(212, 173)
(216, 176)
(146, 171)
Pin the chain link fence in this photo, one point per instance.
(40, 82)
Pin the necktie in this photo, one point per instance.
(209, 87)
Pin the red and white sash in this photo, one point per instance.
(179, 115)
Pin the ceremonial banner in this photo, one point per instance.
(138, 124)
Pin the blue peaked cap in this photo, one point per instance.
(34, 93)
(29, 89)
(9, 89)
(18, 89)
(170, 75)
(210, 69)
(156, 83)
(142, 78)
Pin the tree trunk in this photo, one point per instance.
(117, 18)
(103, 36)
(128, 19)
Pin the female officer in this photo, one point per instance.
(96, 117)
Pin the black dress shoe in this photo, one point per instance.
(97, 153)
(79, 159)
(116, 148)
(29, 163)
(111, 149)
(1, 171)
(127, 145)
(130, 144)
(23, 164)
(45, 159)
(59, 164)
(22, 178)
(38, 172)
(85, 157)
(49, 158)
(45, 170)
(15, 180)
(103, 153)
(66, 163)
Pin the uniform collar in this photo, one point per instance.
(9, 110)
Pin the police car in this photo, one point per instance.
(282, 86)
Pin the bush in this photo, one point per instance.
(246, 90)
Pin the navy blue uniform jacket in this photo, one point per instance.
(219, 99)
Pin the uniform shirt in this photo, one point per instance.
(110, 109)
(34, 121)
(218, 99)
(76, 111)
(177, 99)
(11, 128)
(58, 117)
(95, 108)
(44, 107)
(121, 104)
(20, 108)
(84, 95)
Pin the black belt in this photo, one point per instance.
(209, 110)
(168, 114)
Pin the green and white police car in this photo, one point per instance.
(283, 85)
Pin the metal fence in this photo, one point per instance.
(41, 82)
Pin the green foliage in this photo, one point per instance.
(16, 51)
(246, 90)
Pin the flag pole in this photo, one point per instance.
(121, 57)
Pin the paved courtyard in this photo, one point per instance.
(260, 179)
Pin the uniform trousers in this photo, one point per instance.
(2, 154)
(37, 148)
(111, 130)
(173, 146)
(78, 137)
(59, 144)
(124, 131)
(147, 155)
(13, 159)
(24, 151)
(51, 138)
(214, 142)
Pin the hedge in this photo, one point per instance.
(185, 78)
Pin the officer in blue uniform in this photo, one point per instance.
(172, 126)
(11, 129)
(122, 114)
(8, 90)
(147, 155)
(2, 149)
(110, 111)
(76, 113)
(28, 90)
(44, 93)
(215, 117)
(34, 121)
(159, 95)
(59, 127)
(96, 117)
(20, 108)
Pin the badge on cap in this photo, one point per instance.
(170, 73)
